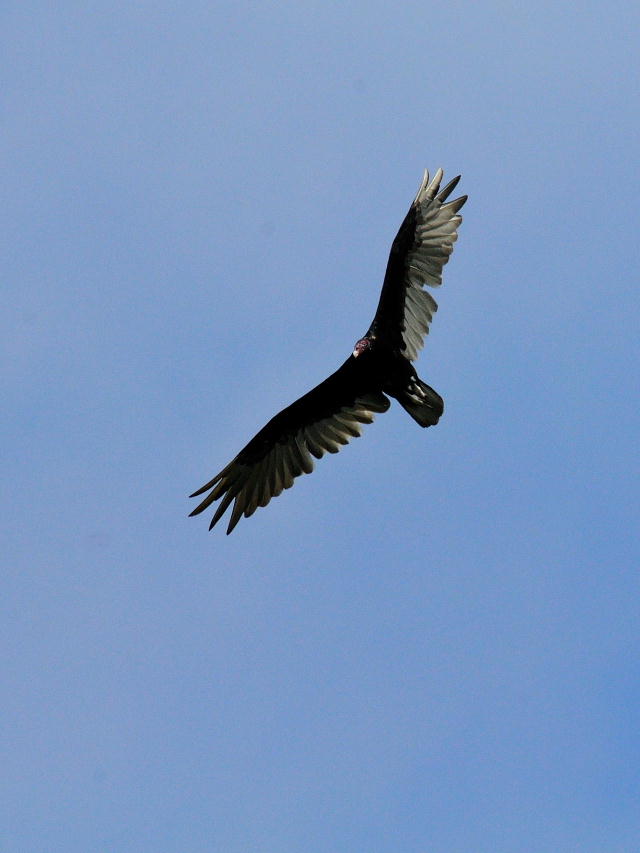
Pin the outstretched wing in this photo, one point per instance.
(322, 421)
(420, 250)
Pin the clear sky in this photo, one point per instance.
(430, 645)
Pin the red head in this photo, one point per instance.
(361, 346)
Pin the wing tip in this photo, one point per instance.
(210, 484)
(430, 188)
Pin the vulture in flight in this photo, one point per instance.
(334, 412)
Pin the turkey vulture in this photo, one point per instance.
(380, 364)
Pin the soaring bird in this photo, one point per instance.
(333, 413)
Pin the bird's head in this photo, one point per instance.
(361, 346)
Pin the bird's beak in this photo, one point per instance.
(355, 353)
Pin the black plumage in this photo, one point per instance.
(329, 415)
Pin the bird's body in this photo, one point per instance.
(333, 412)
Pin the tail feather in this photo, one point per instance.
(423, 403)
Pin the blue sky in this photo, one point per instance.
(432, 643)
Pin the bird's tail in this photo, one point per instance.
(423, 403)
